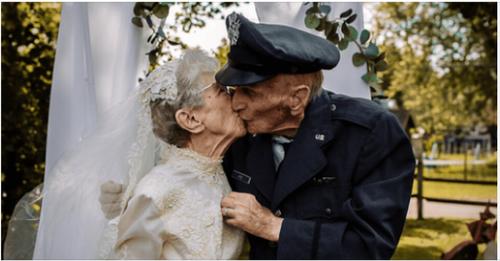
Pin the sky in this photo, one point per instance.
(209, 37)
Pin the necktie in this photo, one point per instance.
(279, 148)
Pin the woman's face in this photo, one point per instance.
(217, 114)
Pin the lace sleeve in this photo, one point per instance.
(141, 232)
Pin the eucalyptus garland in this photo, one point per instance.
(341, 33)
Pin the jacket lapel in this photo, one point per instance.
(305, 157)
(260, 165)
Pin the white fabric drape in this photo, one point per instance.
(345, 78)
(99, 56)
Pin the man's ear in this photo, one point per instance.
(189, 121)
(299, 99)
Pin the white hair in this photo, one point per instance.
(192, 65)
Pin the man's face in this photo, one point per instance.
(262, 107)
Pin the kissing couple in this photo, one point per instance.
(198, 158)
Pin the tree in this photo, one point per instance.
(443, 61)
(29, 33)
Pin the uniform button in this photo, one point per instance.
(277, 213)
(333, 107)
(328, 211)
(272, 244)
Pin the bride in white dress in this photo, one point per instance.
(174, 212)
(171, 205)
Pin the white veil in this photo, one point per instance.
(122, 149)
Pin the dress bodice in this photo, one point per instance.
(174, 212)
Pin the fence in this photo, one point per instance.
(420, 195)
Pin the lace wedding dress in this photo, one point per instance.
(174, 213)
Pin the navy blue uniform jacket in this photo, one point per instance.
(343, 188)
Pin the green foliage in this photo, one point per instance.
(163, 36)
(443, 58)
(222, 52)
(316, 18)
(29, 34)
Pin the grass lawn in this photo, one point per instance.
(483, 172)
(486, 172)
(429, 238)
(458, 191)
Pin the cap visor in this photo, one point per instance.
(231, 76)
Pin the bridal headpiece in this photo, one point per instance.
(161, 83)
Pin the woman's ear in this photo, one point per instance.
(299, 99)
(189, 121)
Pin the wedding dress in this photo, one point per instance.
(175, 212)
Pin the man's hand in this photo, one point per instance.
(242, 210)
(110, 199)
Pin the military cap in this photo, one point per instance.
(260, 51)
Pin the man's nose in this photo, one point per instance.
(237, 101)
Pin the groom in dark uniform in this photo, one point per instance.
(321, 175)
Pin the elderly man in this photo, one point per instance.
(322, 176)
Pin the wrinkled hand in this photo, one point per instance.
(110, 198)
(242, 210)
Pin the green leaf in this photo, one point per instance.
(381, 66)
(325, 9)
(313, 9)
(371, 51)
(171, 42)
(138, 9)
(148, 5)
(351, 19)
(161, 11)
(312, 21)
(152, 58)
(353, 33)
(334, 37)
(343, 44)
(365, 36)
(358, 59)
(369, 78)
(328, 27)
(137, 21)
(346, 13)
(345, 30)
(186, 27)
(321, 25)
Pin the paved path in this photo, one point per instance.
(436, 209)
(428, 162)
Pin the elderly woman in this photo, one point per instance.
(174, 212)
(169, 138)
